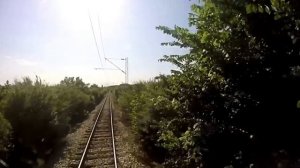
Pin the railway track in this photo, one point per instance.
(98, 145)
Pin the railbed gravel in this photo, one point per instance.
(125, 148)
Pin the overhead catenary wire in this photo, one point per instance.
(99, 26)
(95, 38)
(101, 40)
(108, 59)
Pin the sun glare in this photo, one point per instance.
(74, 13)
(109, 11)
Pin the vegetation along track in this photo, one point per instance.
(98, 146)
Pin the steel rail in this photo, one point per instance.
(112, 133)
(81, 163)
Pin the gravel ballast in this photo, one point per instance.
(125, 148)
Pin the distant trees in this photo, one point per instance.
(73, 82)
(34, 117)
(233, 99)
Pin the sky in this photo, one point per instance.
(53, 39)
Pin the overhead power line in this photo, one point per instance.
(108, 59)
(101, 37)
(95, 38)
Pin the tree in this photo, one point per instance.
(73, 82)
(237, 87)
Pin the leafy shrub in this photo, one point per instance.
(237, 86)
(5, 131)
(71, 104)
(232, 102)
(38, 116)
(139, 103)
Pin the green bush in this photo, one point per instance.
(233, 100)
(36, 116)
(71, 104)
(143, 103)
(5, 131)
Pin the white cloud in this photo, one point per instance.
(22, 61)
(25, 62)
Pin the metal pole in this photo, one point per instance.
(126, 68)
(125, 71)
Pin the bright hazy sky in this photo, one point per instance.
(53, 38)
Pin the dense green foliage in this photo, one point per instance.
(35, 117)
(142, 104)
(234, 98)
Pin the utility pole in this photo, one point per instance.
(127, 72)
(126, 69)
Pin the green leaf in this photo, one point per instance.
(260, 9)
(267, 9)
